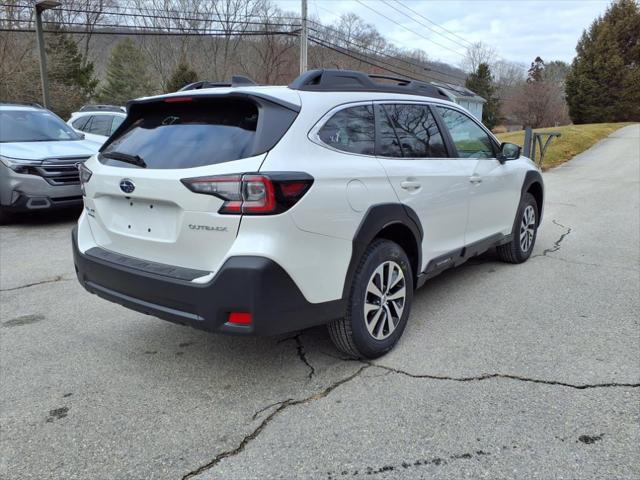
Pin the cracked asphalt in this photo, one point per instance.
(528, 371)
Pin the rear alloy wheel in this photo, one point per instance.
(385, 299)
(379, 303)
(524, 232)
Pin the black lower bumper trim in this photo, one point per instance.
(26, 203)
(251, 284)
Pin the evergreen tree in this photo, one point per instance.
(603, 84)
(71, 79)
(481, 82)
(182, 75)
(536, 71)
(556, 71)
(127, 74)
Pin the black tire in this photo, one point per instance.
(5, 217)
(513, 252)
(350, 334)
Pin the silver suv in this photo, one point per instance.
(39, 157)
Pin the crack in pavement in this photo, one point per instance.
(255, 415)
(57, 278)
(556, 244)
(489, 376)
(301, 352)
(283, 406)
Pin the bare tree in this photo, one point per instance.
(478, 53)
(539, 104)
(274, 54)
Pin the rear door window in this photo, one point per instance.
(81, 123)
(100, 125)
(409, 131)
(351, 130)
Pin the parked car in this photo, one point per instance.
(39, 157)
(263, 210)
(97, 122)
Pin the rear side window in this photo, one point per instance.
(99, 125)
(351, 130)
(190, 134)
(410, 131)
(115, 123)
(81, 123)
(470, 139)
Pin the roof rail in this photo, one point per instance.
(236, 81)
(328, 80)
(21, 104)
(102, 108)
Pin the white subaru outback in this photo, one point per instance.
(261, 210)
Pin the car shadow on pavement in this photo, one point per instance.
(312, 347)
(45, 217)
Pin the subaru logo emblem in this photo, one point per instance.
(127, 186)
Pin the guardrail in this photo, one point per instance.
(533, 139)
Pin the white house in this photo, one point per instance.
(463, 97)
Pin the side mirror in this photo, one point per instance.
(81, 135)
(509, 151)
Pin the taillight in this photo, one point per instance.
(85, 175)
(178, 99)
(253, 193)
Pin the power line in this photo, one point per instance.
(409, 29)
(423, 25)
(379, 53)
(135, 33)
(148, 9)
(432, 22)
(166, 16)
(340, 50)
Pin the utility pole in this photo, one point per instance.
(40, 7)
(304, 38)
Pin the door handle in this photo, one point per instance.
(408, 185)
(475, 179)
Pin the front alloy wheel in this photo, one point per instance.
(527, 228)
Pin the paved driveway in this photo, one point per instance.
(504, 371)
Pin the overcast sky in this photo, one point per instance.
(518, 29)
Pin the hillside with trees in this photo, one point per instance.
(111, 51)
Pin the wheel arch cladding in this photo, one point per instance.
(391, 221)
(533, 184)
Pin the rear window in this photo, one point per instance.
(191, 134)
(351, 130)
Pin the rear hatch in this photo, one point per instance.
(137, 200)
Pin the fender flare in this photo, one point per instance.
(531, 177)
(377, 218)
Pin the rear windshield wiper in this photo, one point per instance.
(125, 157)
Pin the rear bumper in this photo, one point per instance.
(251, 284)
